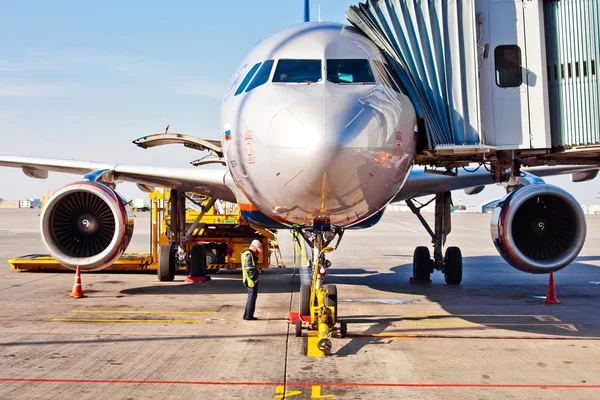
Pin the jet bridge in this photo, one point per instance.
(495, 80)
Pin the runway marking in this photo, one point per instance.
(311, 384)
(398, 227)
(146, 312)
(439, 336)
(124, 320)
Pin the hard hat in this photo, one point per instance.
(256, 243)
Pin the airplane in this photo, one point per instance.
(317, 136)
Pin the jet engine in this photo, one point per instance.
(86, 224)
(539, 228)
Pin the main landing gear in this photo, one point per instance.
(450, 263)
(175, 254)
(318, 302)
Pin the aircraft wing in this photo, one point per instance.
(421, 183)
(199, 180)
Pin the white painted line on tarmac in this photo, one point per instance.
(398, 227)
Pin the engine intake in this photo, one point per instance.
(539, 228)
(86, 224)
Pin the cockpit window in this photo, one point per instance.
(262, 76)
(349, 72)
(298, 71)
(249, 76)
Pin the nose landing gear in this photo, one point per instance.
(319, 300)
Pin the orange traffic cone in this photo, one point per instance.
(551, 293)
(77, 292)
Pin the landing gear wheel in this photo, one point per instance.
(298, 327)
(304, 300)
(166, 263)
(343, 329)
(421, 264)
(453, 266)
(198, 255)
(331, 301)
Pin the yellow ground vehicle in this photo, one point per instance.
(216, 226)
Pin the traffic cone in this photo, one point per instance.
(551, 293)
(77, 292)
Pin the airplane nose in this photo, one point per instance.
(321, 151)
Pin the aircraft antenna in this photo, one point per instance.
(319, 11)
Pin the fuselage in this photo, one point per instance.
(315, 129)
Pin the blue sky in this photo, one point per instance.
(82, 79)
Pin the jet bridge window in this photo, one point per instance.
(249, 76)
(298, 71)
(349, 72)
(262, 76)
(508, 66)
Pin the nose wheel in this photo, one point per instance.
(450, 262)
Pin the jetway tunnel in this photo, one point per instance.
(489, 76)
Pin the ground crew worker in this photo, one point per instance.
(250, 277)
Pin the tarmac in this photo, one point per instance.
(134, 337)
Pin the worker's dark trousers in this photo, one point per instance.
(251, 302)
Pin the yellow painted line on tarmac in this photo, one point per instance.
(549, 317)
(146, 312)
(312, 349)
(569, 327)
(125, 320)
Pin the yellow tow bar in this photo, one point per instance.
(321, 316)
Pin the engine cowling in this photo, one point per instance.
(539, 228)
(86, 224)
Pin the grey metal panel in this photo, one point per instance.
(432, 47)
(573, 51)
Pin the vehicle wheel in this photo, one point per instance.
(166, 263)
(197, 264)
(453, 266)
(304, 300)
(343, 329)
(298, 327)
(331, 300)
(421, 264)
(211, 258)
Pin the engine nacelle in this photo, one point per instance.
(86, 224)
(539, 228)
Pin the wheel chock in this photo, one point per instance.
(414, 281)
(197, 279)
(293, 316)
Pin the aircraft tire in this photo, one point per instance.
(453, 266)
(331, 301)
(421, 264)
(304, 300)
(197, 265)
(166, 263)
(343, 329)
(298, 327)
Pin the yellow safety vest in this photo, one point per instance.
(245, 277)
